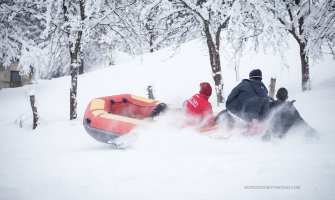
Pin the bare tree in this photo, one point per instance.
(73, 24)
(324, 16)
(164, 27)
(21, 26)
(311, 23)
(211, 18)
(74, 34)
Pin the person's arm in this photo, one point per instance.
(234, 93)
(265, 109)
(296, 115)
(209, 115)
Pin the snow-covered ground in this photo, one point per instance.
(59, 160)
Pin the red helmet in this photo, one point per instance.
(205, 89)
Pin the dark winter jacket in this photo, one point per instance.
(284, 116)
(249, 100)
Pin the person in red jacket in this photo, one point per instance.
(198, 110)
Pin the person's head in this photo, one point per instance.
(282, 94)
(255, 74)
(205, 89)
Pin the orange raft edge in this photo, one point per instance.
(107, 118)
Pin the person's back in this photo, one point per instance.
(249, 100)
(198, 109)
(285, 116)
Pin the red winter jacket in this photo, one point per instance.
(199, 111)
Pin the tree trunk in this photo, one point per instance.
(151, 42)
(74, 76)
(272, 87)
(75, 49)
(215, 61)
(149, 28)
(73, 90)
(305, 81)
(81, 66)
(34, 109)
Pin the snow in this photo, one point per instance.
(59, 160)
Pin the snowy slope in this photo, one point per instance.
(59, 160)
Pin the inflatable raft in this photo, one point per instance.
(107, 118)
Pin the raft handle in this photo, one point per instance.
(124, 100)
(88, 120)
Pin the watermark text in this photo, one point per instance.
(272, 187)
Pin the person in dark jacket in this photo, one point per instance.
(249, 100)
(285, 116)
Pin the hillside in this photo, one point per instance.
(59, 160)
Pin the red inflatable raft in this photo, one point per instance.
(107, 118)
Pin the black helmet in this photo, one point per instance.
(255, 74)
